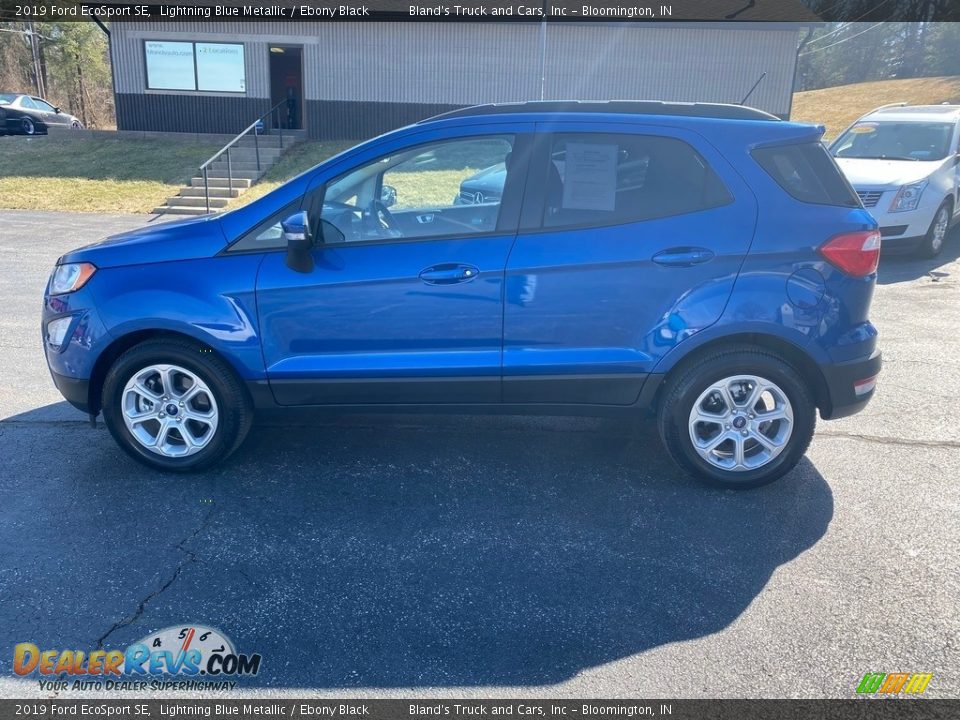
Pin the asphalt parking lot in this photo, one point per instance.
(479, 556)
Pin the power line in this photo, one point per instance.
(841, 42)
(844, 26)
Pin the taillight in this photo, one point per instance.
(856, 253)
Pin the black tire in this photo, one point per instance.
(684, 388)
(28, 126)
(931, 247)
(235, 411)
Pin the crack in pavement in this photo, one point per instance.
(881, 440)
(191, 557)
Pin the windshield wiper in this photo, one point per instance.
(878, 157)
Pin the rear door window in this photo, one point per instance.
(596, 179)
(808, 173)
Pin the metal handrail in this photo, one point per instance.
(226, 149)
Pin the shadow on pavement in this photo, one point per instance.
(903, 268)
(391, 551)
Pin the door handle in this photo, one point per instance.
(448, 274)
(683, 256)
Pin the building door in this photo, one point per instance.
(286, 86)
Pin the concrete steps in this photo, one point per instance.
(227, 181)
(217, 182)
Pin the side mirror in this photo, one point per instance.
(56, 110)
(388, 195)
(296, 232)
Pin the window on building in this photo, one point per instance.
(208, 67)
(169, 65)
(220, 67)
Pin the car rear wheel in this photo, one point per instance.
(936, 236)
(175, 406)
(739, 419)
(28, 127)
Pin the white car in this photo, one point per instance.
(904, 163)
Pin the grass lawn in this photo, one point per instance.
(302, 156)
(95, 175)
(837, 107)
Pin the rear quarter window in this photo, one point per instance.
(808, 173)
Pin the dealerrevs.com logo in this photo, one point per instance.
(203, 657)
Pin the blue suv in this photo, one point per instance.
(708, 263)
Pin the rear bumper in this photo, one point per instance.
(76, 391)
(847, 387)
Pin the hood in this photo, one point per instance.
(886, 174)
(181, 240)
(490, 179)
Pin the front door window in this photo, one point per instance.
(451, 188)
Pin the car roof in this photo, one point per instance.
(915, 113)
(616, 107)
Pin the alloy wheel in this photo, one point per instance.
(940, 225)
(741, 423)
(169, 410)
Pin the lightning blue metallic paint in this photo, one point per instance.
(567, 316)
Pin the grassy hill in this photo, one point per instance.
(837, 107)
(113, 175)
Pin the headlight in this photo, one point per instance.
(70, 277)
(908, 197)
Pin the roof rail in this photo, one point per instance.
(629, 107)
(902, 103)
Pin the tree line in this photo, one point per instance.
(67, 63)
(846, 53)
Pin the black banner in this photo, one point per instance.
(804, 11)
(861, 709)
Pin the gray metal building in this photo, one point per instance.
(355, 80)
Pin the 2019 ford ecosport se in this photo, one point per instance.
(706, 262)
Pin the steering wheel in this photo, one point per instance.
(382, 221)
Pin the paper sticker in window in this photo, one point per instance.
(590, 176)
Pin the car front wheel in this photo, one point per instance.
(175, 406)
(28, 127)
(739, 419)
(936, 236)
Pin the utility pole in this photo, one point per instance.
(35, 51)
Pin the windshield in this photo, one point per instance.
(7, 98)
(895, 141)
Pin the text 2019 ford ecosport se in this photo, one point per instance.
(707, 262)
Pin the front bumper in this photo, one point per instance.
(72, 364)
(848, 389)
(896, 245)
(902, 231)
(76, 391)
